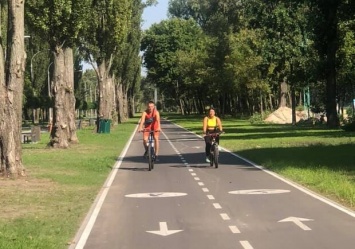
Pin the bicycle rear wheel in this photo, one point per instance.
(216, 155)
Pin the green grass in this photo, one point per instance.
(314, 156)
(46, 209)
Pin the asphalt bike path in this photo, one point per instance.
(185, 203)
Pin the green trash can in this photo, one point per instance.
(105, 125)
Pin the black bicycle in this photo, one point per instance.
(214, 151)
(151, 151)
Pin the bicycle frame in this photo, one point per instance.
(151, 150)
(214, 151)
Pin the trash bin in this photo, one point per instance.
(104, 126)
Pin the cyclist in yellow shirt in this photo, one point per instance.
(210, 124)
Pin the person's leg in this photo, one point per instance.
(208, 145)
(145, 142)
(156, 143)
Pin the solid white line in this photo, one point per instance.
(225, 216)
(245, 244)
(217, 206)
(205, 190)
(196, 178)
(201, 184)
(90, 219)
(234, 229)
(211, 197)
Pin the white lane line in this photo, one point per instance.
(225, 216)
(205, 190)
(193, 174)
(234, 229)
(201, 184)
(211, 197)
(88, 224)
(245, 244)
(197, 178)
(217, 206)
(191, 170)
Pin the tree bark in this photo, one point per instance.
(119, 101)
(11, 93)
(106, 92)
(64, 128)
(283, 94)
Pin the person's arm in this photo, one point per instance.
(219, 123)
(204, 127)
(157, 119)
(142, 121)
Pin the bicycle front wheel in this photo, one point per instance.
(150, 157)
(153, 157)
(216, 155)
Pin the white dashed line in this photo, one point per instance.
(225, 216)
(193, 174)
(234, 229)
(191, 170)
(217, 206)
(246, 244)
(205, 190)
(201, 184)
(197, 178)
(211, 197)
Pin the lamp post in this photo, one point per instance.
(32, 64)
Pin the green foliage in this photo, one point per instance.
(58, 21)
(167, 46)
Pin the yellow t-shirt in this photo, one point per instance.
(211, 123)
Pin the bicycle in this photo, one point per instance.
(214, 151)
(150, 150)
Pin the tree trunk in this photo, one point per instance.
(283, 94)
(11, 93)
(293, 104)
(330, 71)
(106, 89)
(64, 128)
(119, 101)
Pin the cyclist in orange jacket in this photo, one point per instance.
(150, 120)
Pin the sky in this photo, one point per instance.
(151, 15)
(155, 14)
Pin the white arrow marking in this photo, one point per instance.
(156, 195)
(298, 222)
(259, 191)
(164, 230)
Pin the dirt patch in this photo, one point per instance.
(283, 115)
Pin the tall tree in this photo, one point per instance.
(12, 71)
(107, 29)
(60, 24)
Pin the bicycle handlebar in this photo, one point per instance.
(146, 130)
(214, 134)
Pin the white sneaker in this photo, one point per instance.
(207, 160)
